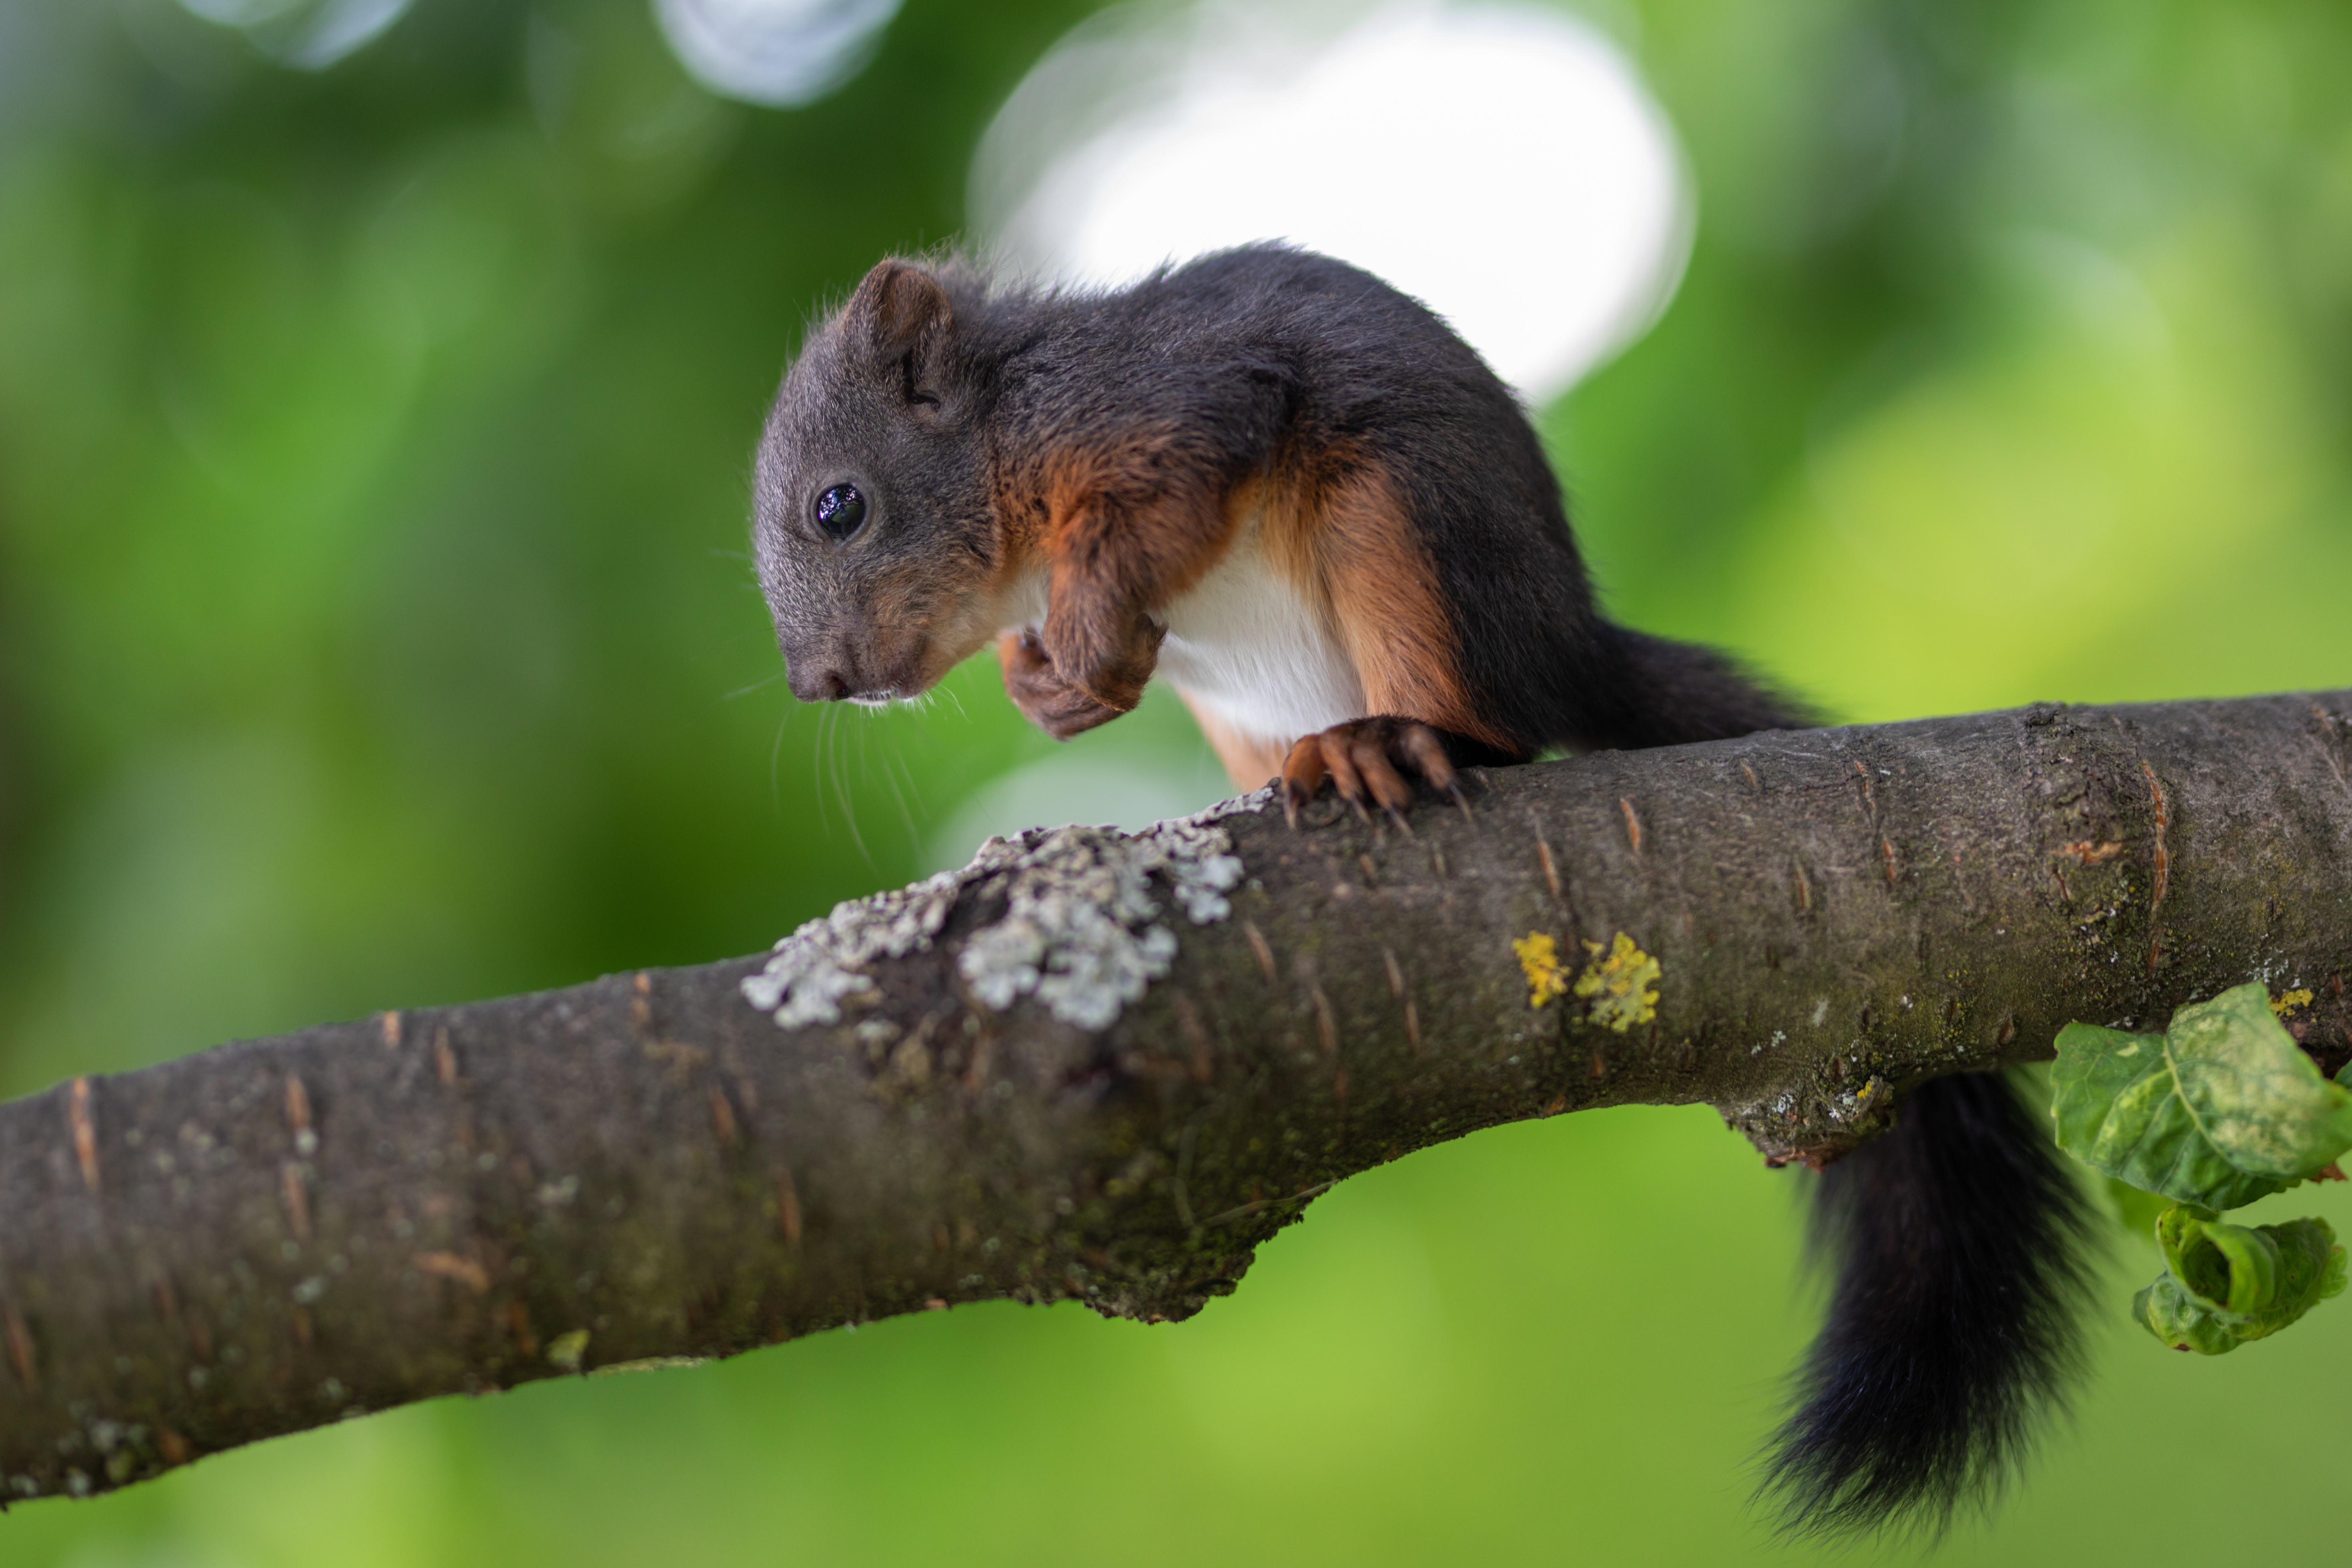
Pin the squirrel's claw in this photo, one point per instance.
(1420, 743)
(1339, 758)
(1368, 751)
(1369, 760)
(1302, 775)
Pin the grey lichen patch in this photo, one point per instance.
(1250, 805)
(823, 961)
(1814, 1124)
(1082, 929)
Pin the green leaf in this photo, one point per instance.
(2271, 1110)
(2228, 1284)
(2177, 1320)
(2230, 1269)
(2221, 1109)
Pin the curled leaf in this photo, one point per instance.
(2227, 1284)
(2220, 1109)
(2179, 1321)
(2232, 1270)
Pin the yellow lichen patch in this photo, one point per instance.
(2289, 1001)
(1873, 1094)
(1620, 983)
(1539, 958)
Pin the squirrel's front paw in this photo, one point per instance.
(1053, 704)
(1110, 658)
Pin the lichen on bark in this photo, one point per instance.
(1081, 929)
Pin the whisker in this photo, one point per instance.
(840, 760)
(776, 758)
(816, 766)
(759, 685)
(890, 777)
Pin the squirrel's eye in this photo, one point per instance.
(840, 510)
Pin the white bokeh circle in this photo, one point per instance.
(779, 53)
(1505, 164)
(310, 35)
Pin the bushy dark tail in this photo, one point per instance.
(1962, 1248)
(1667, 693)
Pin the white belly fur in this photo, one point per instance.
(1246, 645)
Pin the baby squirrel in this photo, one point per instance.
(1297, 493)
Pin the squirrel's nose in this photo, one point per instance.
(817, 679)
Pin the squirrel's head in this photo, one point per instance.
(872, 533)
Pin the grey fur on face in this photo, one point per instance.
(882, 399)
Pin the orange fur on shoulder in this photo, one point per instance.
(1128, 527)
(1138, 515)
(1389, 613)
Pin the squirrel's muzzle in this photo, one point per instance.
(855, 672)
(823, 674)
(814, 682)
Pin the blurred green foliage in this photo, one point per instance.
(374, 631)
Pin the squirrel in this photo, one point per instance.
(1297, 492)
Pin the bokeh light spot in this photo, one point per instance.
(310, 35)
(1505, 165)
(779, 53)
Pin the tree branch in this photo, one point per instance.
(280, 1233)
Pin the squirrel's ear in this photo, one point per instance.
(896, 308)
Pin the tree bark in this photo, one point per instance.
(280, 1232)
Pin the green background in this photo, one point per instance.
(374, 631)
